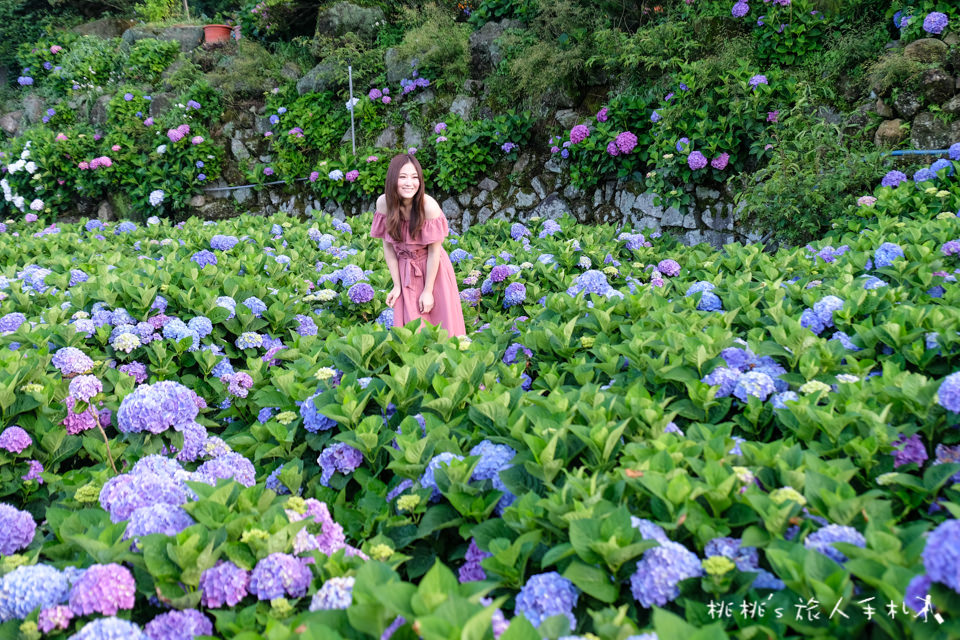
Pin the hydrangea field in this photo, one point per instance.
(213, 430)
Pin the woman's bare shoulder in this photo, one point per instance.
(381, 206)
(431, 208)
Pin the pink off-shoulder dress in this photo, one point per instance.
(412, 257)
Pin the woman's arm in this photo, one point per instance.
(392, 263)
(433, 265)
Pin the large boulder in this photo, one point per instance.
(387, 138)
(318, 79)
(189, 38)
(937, 86)
(105, 28)
(927, 50)
(346, 17)
(929, 132)
(33, 108)
(952, 106)
(907, 104)
(463, 106)
(485, 53)
(398, 67)
(10, 122)
(889, 133)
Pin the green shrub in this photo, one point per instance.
(846, 55)
(894, 70)
(813, 175)
(495, 10)
(247, 75)
(439, 45)
(788, 34)
(90, 63)
(149, 58)
(634, 58)
(349, 50)
(913, 13)
(157, 10)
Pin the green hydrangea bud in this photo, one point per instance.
(408, 502)
(297, 505)
(718, 565)
(281, 607)
(254, 535)
(787, 493)
(87, 493)
(29, 631)
(381, 552)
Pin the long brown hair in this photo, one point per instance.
(393, 198)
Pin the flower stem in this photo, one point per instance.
(106, 441)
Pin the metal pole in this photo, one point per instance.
(353, 135)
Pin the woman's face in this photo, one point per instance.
(408, 182)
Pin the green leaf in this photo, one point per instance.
(592, 580)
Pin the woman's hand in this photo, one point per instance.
(393, 296)
(426, 302)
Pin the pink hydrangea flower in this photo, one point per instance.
(115, 147)
(196, 140)
(314, 175)
(626, 142)
(56, 49)
(61, 137)
(174, 135)
(579, 133)
(866, 201)
(372, 158)
(83, 166)
(351, 175)
(602, 115)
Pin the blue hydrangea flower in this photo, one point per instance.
(515, 294)
(948, 395)
(17, 529)
(341, 457)
(459, 255)
(313, 420)
(924, 175)
(30, 587)
(279, 575)
(822, 540)
(229, 466)
(754, 383)
(886, 254)
(256, 305)
(746, 558)
(659, 572)
(545, 595)
(940, 165)
(385, 319)
(179, 625)
(779, 401)
(427, 480)
(549, 228)
(725, 377)
(201, 326)
(204, 258)
(111, 628)
(649, 530)
(223, 243)
(336, 593)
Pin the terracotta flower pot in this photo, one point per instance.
(216, 33)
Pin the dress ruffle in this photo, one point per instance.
(434, 230)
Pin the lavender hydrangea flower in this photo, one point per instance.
(472, 571)
(945, 455)
(83, 388)
(340, 457)
(111, 628)
(157, 518)
(669, 267)
(941, 556)
(223, 584)
(385, 319)
(279, 575)
(511, 353)
(725, 377)
(103, 588)
(549, 228)
(740, 9)
(56, 617)
(659, 572)
(917, 592)
(17, 529)
(545, 595)
(336, 593)
(223, 243)
(779, 401)
(179, 625)
(204, 258)
(518, 230)
(948, 395)
(360, 293)
(14, 439)
(649, 530)
(11, 322)
(822, 540)
(427, 480)
(71, 361)
(494, 458)
(696, 160)
(893, 179)
(229, 466)
(157, 407)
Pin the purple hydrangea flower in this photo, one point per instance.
(155, 408)
(579, 133)
(83, 388)
(822, 540)
(935, 22)
(746, 558)
(754, 383)
(56, 617)
(893, 179)
(917, 592)
(724, 377)
(472, 571)
(907, 450)
(14, 439)
(626, 142)
(223, 243)
(179, 625)
(230, 466)
(659, 572)
(545, 595)
(551, 227)
(740, 9)
(313, 420)
(256, 305)
(696, 160)
(516, 293)
(757, 80)
(223, 584)
(204, 258)
(103, 588)
(360, 293)
(279, 575)
(669, 267)
(11, 322)
(157, 518)
(16, 529)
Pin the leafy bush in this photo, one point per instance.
(496, 10)
(439, 45)
(909, 17)
(157, 10)
(342, 52)
(471, 148)
(149, 58)
(646, 54)
(789, 34)
(845, 57)
(812, 174)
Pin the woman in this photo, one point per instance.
(413, 228)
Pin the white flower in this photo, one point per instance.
(156, 197)
(37, 205)
(351, 103)
(325, 295)
(162, 149)
(26, 152)
(153, 220)
(18, 202)
(847, 377)
(126, 342)
(584, 262)
(31, 167)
